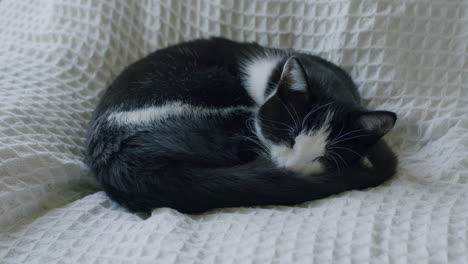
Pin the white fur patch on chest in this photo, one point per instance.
(159, 113)
(257, 72)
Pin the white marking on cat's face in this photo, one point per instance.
(302, 158)
(257, 72)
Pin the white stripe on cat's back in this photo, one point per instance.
(146, 114)
(158, 113)
(257, 72)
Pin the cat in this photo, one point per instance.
(213, 123)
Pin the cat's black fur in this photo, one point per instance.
(196, 164)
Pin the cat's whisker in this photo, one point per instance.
(308, 114)
(346, 164)
(289, 129)
(276, 122)
(336, 162)
(294, 109)
(256, 141)
(348, 150)
(287, 109)
(354, 131)
(346, 139)
(262, 152)
(338, 135)
(315, 109)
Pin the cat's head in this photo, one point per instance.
(308, 133)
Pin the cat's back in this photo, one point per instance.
(201, 73)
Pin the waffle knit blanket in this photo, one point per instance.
(58, 56)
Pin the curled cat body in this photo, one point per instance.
(214, 123)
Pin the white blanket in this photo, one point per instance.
(58, 56)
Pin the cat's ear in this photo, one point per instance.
(378, 123)
(293, 78)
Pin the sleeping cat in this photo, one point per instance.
(215, 123)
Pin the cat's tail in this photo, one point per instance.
(195, 190)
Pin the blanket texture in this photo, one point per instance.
(58, 56)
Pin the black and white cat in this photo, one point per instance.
(215, 123)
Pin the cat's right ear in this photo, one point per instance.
(376, 123)
(293, 79)
(372, 125)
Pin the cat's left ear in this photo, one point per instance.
(378, 123)
(293, 78)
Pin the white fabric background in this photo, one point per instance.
(58, 56)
